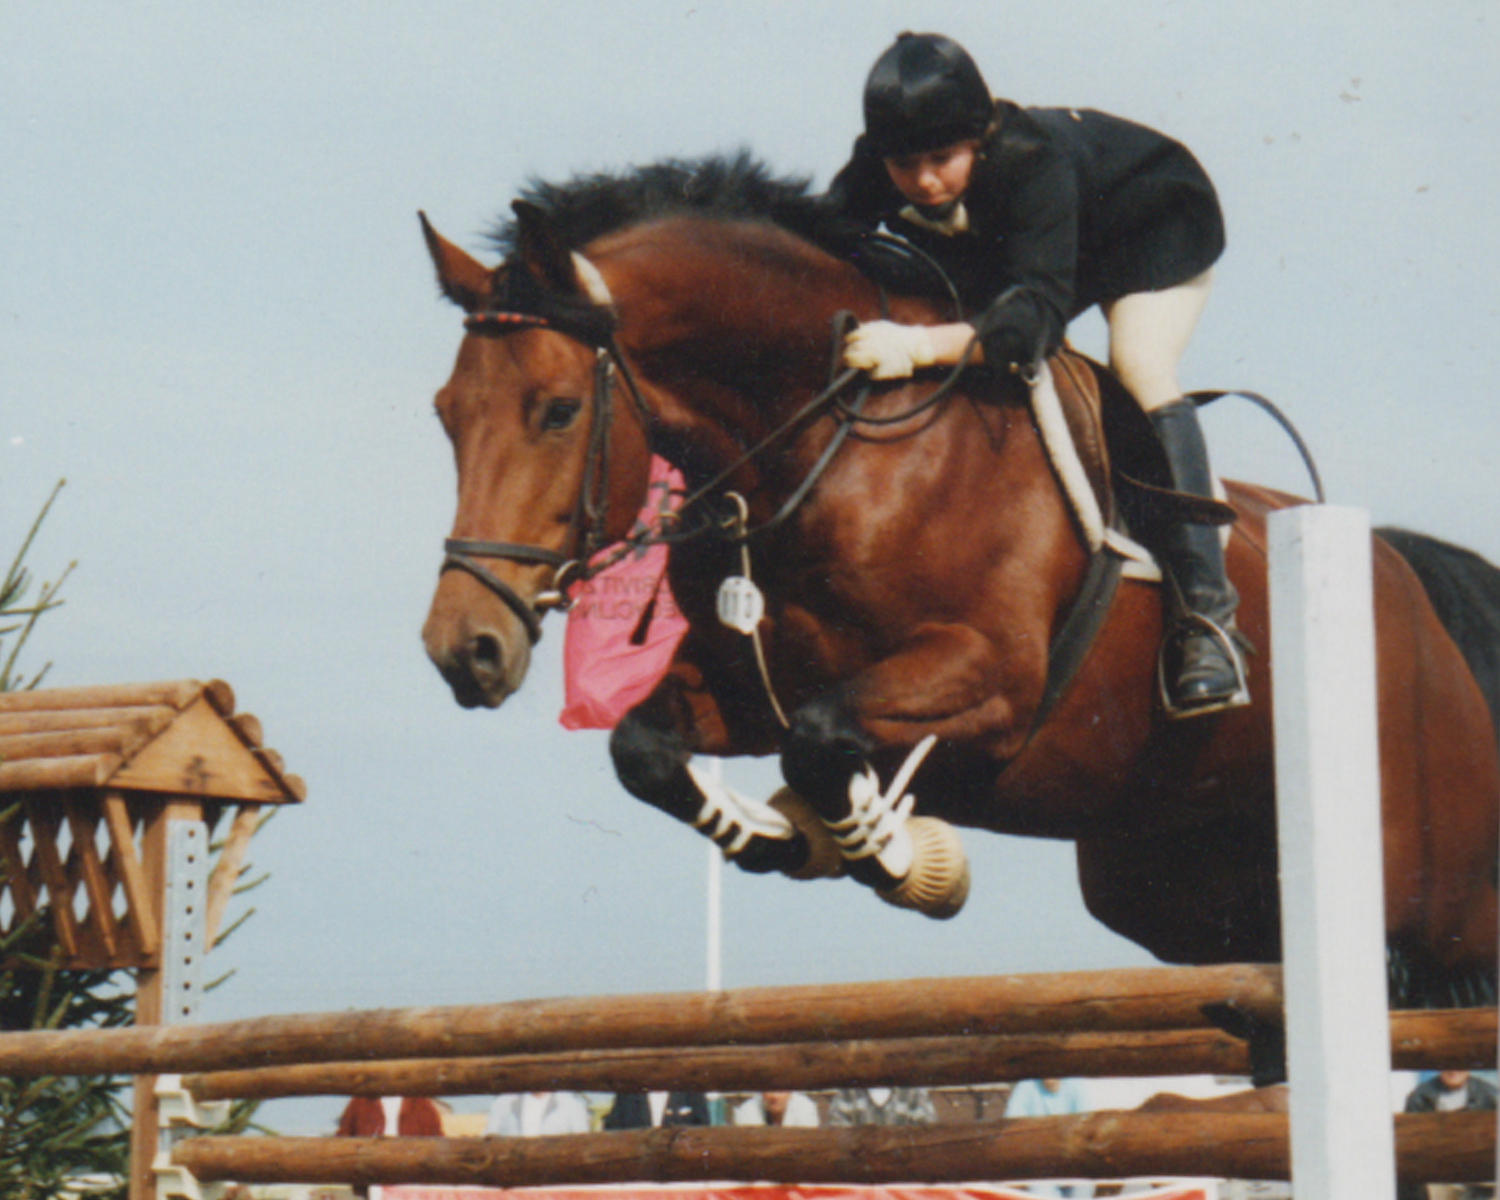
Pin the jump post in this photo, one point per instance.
(1329, 833)
(114, 792)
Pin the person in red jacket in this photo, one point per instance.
(390, 1116)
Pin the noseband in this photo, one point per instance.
(591, 510)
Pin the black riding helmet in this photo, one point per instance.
(923, 93)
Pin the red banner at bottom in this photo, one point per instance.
(1183, 1190)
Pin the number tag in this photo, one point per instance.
(741, 604)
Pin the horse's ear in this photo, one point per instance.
(540, 251)
(463, 279)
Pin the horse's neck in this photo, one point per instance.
(734, 319)
(733, 326)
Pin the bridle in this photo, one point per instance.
(587, 527)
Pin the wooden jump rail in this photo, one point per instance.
(1104, 1145)
(1453, 1147)
(1458, 1038)
(932, 1031)
(1082, 1001)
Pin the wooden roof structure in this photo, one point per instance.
(85, 773)
(182, 738)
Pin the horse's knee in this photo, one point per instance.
(648, 758)
(824, 747)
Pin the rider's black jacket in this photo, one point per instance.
(1066, 208)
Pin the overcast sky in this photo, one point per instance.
(218, 322)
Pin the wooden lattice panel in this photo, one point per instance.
(84, 771)
(77, 854)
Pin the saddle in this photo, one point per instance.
(1111, 467)
(1109, 463)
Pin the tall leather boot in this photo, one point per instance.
(1201, 667)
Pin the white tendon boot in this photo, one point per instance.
(923, 854)
(732, 821)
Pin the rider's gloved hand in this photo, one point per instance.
(888, 350)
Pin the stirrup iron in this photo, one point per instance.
(1230, 646)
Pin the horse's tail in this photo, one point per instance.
(1465, 593)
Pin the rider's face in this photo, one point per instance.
(933, 178)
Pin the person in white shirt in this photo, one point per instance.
(791, 1109)
(537, 1114)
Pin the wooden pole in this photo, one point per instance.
(149, 989)
(902, 1062)
(1329, 831)
(1452, 1147)
(1085, 1001)
(1457, 1038)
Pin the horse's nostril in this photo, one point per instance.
(486, 651)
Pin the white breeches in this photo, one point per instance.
(1148, 334)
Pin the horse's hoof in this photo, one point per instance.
(824, 861)
(938, 883)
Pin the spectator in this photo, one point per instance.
(789, 1109)
(881, 1106)
(1449, 1091)
(537, 1114)
(633, 1110)
(1046, 1098)
(390, 1116)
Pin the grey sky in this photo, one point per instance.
(217, 320)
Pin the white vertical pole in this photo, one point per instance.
(715, 947)
(715, 899)
(1328, 816)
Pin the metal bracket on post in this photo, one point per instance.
(178, 1115)
(179, 1111)
(185, 902)
(177, 1183)
(183, 920)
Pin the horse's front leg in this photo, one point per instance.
(653, 748)
(945, 685)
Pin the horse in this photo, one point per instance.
(913, 618)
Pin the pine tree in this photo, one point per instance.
(59, 1136)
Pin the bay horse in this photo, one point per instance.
(910, 645)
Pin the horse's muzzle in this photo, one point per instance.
(481, 651)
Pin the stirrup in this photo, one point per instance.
(1226, 641)
(730, 820)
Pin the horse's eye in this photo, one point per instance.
(559, 414)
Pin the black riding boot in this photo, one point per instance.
(1202, 669)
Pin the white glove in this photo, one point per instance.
(888, 350)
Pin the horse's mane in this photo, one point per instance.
(735, 186)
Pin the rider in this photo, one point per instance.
(1036, 215)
